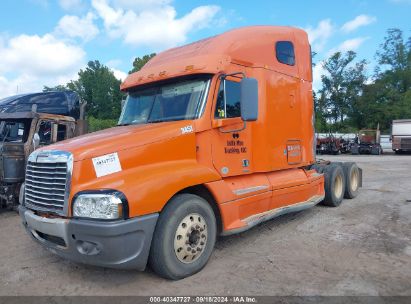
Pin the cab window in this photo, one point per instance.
(14, 131)
(285, 52)
(45, 133)
(61, 132)
(228, 100)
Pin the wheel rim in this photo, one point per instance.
(354, 178)
(338, 186)
(190, 238)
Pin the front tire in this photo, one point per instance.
(184, 237)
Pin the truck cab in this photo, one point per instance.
(30, 121)
(20, 134)
(368, 142)
(401, 135)
(214, 138)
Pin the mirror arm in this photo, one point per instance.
(233, 74)
(235, 130)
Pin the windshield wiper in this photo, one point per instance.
(124, 124)
(164, 119)
(157, 120)
(174, 118)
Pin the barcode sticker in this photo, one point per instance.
(106, 164)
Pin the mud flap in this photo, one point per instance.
(359, 169)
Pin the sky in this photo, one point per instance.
(46, 42)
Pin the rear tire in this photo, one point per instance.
(352, 179)
(334, 185)
(376, 150)
(184, 237)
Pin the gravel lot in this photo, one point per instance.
(361, 248)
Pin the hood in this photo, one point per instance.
(120, 138)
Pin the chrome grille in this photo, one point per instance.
(406, 143)
(47, 182)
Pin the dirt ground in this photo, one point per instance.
(361, 248)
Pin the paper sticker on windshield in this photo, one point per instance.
(187, 129)
(106, 164)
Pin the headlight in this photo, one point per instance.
(99, 206)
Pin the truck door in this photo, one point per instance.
(45, 132)
(231, 149)
(50, 132)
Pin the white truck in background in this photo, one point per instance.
(401, 135)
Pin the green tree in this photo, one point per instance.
(342, 85)
(393, 51)
(388, 97)
(60, 88)
(319, 106)
(320, 113)
(138, 62)
(313, 63)
(98, 86)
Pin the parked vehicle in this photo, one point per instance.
(368, 142)
(214, 138)
(66, 103)
(23, 132)
(328, 145)
(401, 135)
(385, 142)
(332, 145)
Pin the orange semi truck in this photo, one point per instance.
(214, 138)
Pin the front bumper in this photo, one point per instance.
(121, 244)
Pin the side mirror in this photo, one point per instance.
(36, 141)
(249, 99)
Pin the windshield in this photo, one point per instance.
(14, 131)
(368, 136)
(180, 100)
